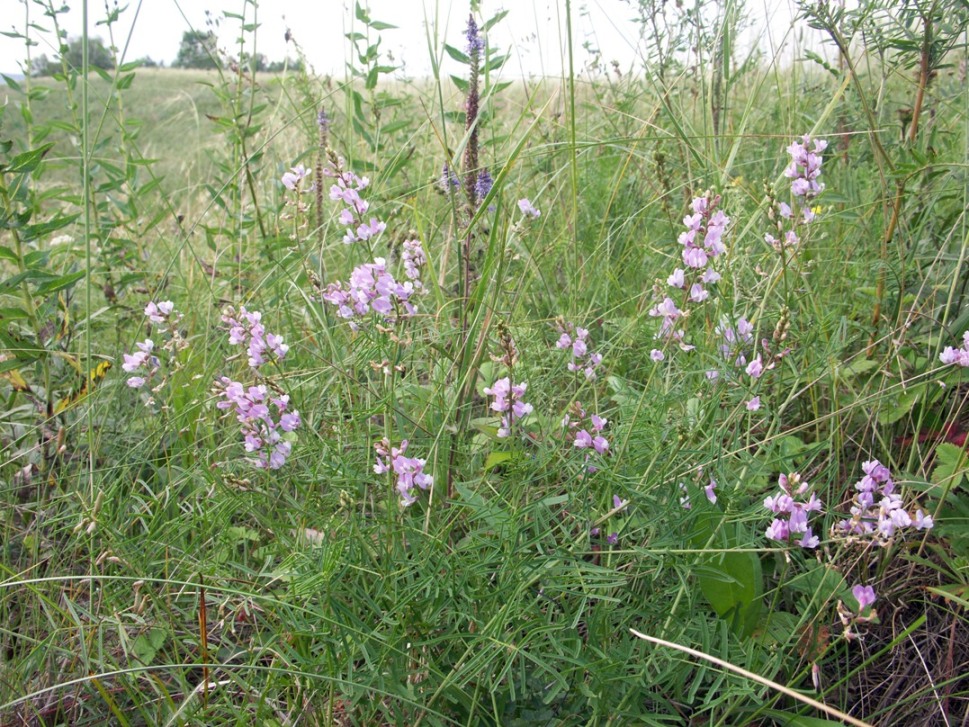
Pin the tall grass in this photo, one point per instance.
(152, 574)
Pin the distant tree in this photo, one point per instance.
(288, 64)
(99, 56)
(42, 66)
(198, 50)
(149, 62)
(258, 62)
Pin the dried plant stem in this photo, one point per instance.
(754, 677)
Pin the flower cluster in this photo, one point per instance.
(793, 515)
(805, 167)
(804, 170)
(877, 510)
(347, 189)
(702, 242)
(736, 341)
(958, 356)
(294, 177)
(262, 431)
(247, 330)
(508, 402)
(408, 470)
(373, 288)
(144, 363)
(142, 359)
(475, 43)
(448, 181)
(585, 430)
(576, 338)
(483, 185)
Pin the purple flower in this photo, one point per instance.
(792, 512)
(528, 209)
(657, 355)
(755, 368)
(576, 338)
(878, 509)
(475, 43)
(409, 471)
(805, 167)
(483, 185)
(262, 432)
(159, 313)
(586, 430)
(684, 497)
(372, 288)
(753, 404)
(709, 491)
(698, 294)
(957, 356)
(864, 595)
(292, 179)
(248, 330)
(508, 402)
(612, 538)
(448, 181)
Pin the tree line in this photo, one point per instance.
(198, 49)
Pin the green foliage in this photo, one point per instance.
(152, 575)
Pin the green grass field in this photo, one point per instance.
(671, 381)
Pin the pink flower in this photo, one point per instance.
(755, 368)
(864, 595)
(528, 209)
(293, 177)
(753, 404)
(709, 491)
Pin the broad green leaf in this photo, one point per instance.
(496, 458)
(951, 467)
(457, 55)
(906, 402)
(146, 646)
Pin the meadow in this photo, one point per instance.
(628, 397)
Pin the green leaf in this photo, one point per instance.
(860, 365)
(29, 160)
(146, 646)
(498, 17)
(379, 25)
(496, 458)
(951, 467)
(732, 582)
(64, 281)
(906, 402)
(7, 254)
(456, 54)
(12, 83)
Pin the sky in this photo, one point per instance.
(533, 31)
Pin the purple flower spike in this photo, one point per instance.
(475, 43)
